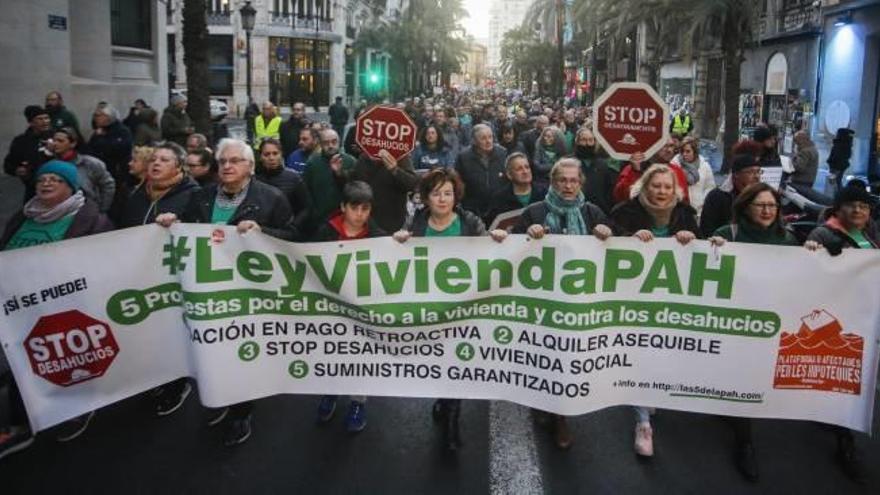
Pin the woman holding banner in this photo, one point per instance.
(757, 219)
(58, 211)
(442, 190)
(848, 225)
(564, 211)
(656, 210)
(251, 206)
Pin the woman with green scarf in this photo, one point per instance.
(565, 212)
(757, 219)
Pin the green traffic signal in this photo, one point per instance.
(375, 78)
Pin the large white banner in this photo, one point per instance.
(565, 324)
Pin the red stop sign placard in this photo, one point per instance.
(70, 347)
(385, 128)
(630, 117)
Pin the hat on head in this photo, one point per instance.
(743, 161)
(65, 170)
(177, 99)
(32, 111)
(854, 191)
(762, 134)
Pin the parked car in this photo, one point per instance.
(219, 109)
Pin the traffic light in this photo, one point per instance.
(374, 79)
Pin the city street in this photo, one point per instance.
(127, 450)
(569, 204)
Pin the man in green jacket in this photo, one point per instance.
(59, 114)
(324, 176)
(176, 124)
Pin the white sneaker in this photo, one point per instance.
(644, 443)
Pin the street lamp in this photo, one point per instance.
(248, 17)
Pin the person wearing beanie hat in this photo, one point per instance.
(848, 223)
(718, 207)
(58, 211)
(33, 111)
(761, 134)
(65, 170)
(29, 149)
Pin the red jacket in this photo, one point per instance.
(629, 176)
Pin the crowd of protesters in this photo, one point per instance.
(535, 163)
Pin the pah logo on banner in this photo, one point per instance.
(820, 356)
(70, 347)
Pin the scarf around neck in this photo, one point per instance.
(155, 189)
(226, 201)
(40, 213)
(660, 213)
(691, 169)
(569, 211)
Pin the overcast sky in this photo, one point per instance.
(478, 22)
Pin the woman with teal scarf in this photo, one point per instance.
(564, 211)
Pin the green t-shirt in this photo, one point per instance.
(524, 198)
(33, 233)
(660, 231)
(860, 239)
(220, 215)
(453, 230)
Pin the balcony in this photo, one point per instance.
(219, 17)
(300, 22)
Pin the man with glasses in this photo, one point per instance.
(718, 208)
(324, 176)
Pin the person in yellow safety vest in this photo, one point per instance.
(682, 124)
(267, 124)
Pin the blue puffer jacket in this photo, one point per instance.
(425, 159)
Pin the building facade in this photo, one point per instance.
(473, 71)
(504, 15)
(297, 51)
(849, 82)
(89, 50)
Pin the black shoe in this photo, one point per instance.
(451, 437)
(75, 427)
(238, 431)
(848, 458)
(438, 412)
(746, 462)
(216, 415)
(169, 401)
(15, 439)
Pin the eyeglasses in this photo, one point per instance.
(49, 180)
(235, 160)
(857, 205)
(565, 181)
(752, 172)
(764, 206)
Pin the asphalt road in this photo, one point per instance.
(127, 450)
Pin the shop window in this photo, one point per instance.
(131, 23)
(299, 71)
